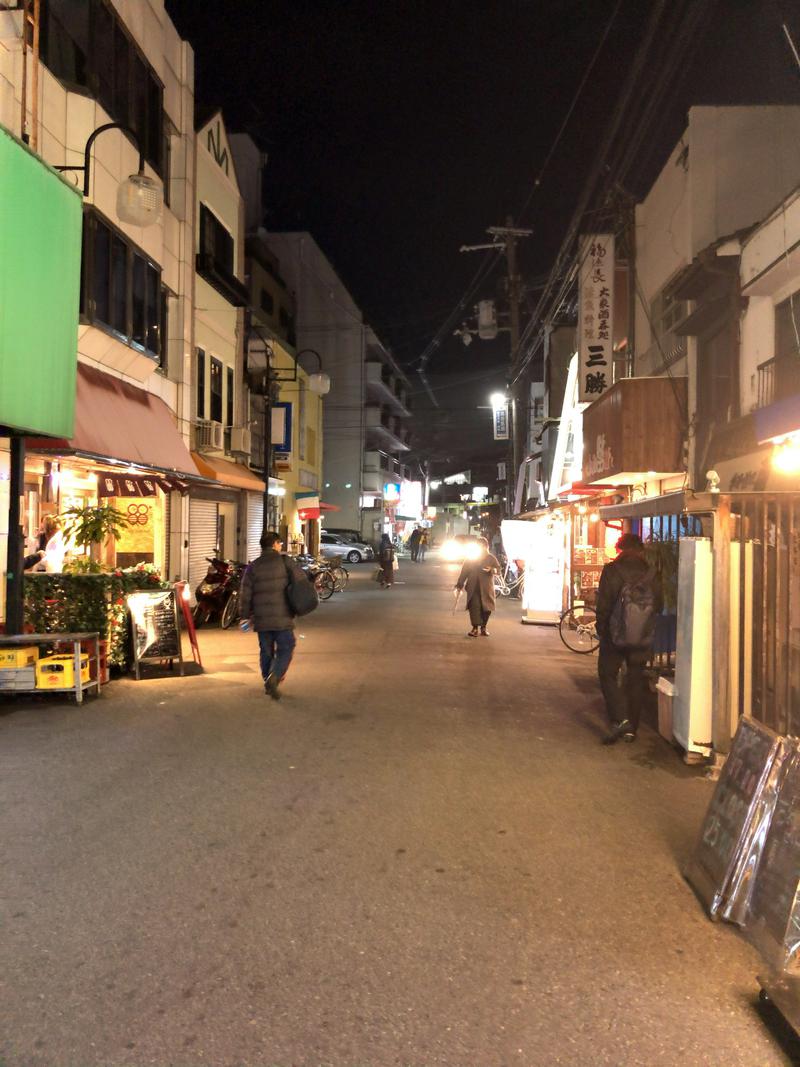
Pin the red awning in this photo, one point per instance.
(328, 507)
(121, 422)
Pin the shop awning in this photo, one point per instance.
(667, 504)
(121, 423)
(227, 473)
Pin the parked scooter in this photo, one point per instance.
(217, 595)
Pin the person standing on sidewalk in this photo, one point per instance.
(264, 602)
(413, 542)
(629, 598)
(477, 577)
(423, 546)
(386, 561)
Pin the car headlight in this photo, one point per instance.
(451, 550)
(472, 551)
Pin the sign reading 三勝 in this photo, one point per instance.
(500, 418)
(595, 316)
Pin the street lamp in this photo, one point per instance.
(319, 383)
(139, 198)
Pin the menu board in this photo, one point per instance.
(154, 626)
(722, 869)
(774, 926)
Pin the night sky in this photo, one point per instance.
(398, 131)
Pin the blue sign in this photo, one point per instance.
(282, 412)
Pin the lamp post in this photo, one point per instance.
(139, 203)
(139, 198)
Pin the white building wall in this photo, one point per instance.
(329, 321)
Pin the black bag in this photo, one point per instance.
(300, 591)
(632, 623)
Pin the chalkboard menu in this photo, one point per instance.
(722, 869)
(154, 627)
(774, 926)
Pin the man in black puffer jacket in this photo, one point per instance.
(264, 603)
(629, 598)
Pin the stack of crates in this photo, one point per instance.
(88, 646)
(18, 668)
(58, 672)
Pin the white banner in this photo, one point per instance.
(595, 316)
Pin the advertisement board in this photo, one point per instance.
(40, 249)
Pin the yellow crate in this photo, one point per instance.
(14, 658)
(58, 672)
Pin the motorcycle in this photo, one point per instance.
(218, 593)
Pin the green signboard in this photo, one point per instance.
(40, 267)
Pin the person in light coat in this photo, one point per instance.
(477, 577)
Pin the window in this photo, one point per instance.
(283, 317)
(201, 384)
(666, 312)
(215, 241)
(301, 421)
(121, 288)
(229, 397)
(215, 389)
(164, 331)
(787, 327)
(267, 302)
(86, 46)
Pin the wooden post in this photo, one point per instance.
(721, 606)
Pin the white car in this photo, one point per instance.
(331, 546)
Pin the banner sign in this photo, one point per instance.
(118, 485)
(595, 316)
(282, 427)
(308, 505)
(500, 419)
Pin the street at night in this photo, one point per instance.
(420, 855)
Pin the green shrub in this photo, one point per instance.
(81, 603)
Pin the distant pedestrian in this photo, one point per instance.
(423, 546)
(477, 577)
(413, 543)
(629, 598)
(386, 561)
(265, 604)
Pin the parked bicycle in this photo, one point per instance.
(320, 574)
(510, 583)
(577, 628)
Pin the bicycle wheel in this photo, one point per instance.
(501, 587)
(577, 628)
(340, 577)
(230, 613)
(324, 585)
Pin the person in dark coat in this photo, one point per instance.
(386, 560)
(413, 542)
(623, 705)
(477, 577)
(265, 604)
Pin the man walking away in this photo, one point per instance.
(265, 604)
(629, 598)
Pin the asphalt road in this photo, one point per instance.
(420, 856)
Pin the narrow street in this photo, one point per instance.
(421, 855)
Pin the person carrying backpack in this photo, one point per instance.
(629, 598)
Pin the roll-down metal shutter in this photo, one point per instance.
(203, 523)
(255, 524)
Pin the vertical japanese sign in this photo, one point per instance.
(595, 316)
(500, 420)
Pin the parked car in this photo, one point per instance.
(332, 545)
(346, 535)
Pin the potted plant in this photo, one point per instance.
(90, 528)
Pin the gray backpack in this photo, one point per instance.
(633, 619)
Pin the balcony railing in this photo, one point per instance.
(778, 377)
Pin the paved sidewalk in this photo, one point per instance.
(420, 856)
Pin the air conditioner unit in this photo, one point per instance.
(240, 440)
(209, 436)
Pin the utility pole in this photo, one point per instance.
(519, 401)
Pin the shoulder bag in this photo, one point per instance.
(300, 591)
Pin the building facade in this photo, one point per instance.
(117, 63)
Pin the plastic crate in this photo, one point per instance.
(17, 679)
(58, 672)
(14, 658)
